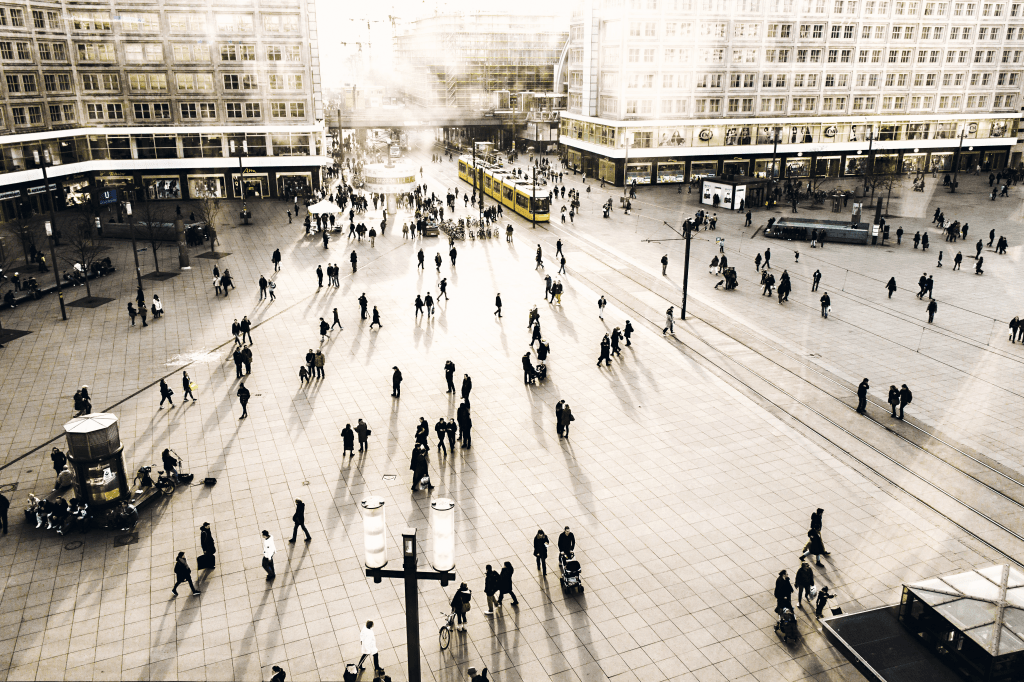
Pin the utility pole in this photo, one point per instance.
(135, 250)
(533, 199)
(50, 227)
(959, 152)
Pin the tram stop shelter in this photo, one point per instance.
(973, 621)
(731, 190)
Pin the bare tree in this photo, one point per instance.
(25, 229)
(208, 208)
(83, 244)
(153, 223)
(8, 259)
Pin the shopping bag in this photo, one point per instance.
(812, 591)
(425, 481)
(193, 386)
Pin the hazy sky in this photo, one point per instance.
(346, 22)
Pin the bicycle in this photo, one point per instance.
(445, 633)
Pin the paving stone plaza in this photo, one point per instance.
(688, 478)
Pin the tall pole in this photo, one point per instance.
(956, 166)
(625, 165)
(775, 150)
(135, 250)
(49, 237)
(686, 269)
(533, 203)
(412, 614)
(871, 166)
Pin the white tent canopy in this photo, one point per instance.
(324, 206)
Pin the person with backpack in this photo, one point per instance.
(491, 580)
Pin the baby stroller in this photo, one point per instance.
(570, 571)
(786, 627)
(541, 370)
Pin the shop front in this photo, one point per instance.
(76, 189)
(162, 187)
(9, 200)
(638, 173)
(606, 170)
(914, 163)
(671, 171)
(257, 185)
(202, 186)
(735, 167)
(732, 192)
(294, 184)
(703, 169)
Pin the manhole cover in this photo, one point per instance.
(74, 544)
(126, 539)
(9, 487)
(390, 477)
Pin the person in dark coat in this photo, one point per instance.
(862, 396)
(243, 399)
(891, 286)
(605, 356)
(348, 441)
(627, 332)
(804, 582)
(59, 459)
(206, 540)
(299, 519)
(165, 394)
(932, 308)
(559, 406)
(451, 428)
(460, 604)
(505, 584)
(814, 546)
(491, 581)
(182, 573)
(540, 550)
(465, 425)
(396, 378)
(422, 433)
(567, 418)
(467, 386)
(449, 376)
(905, 397)
(529, 374)
(419, 466)
(362, 433)
(566, 541)
(894, 398)
(441, 429)
(823, 598)
(783, 593)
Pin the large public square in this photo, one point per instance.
(688, 478)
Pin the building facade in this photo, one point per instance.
(462, 60)
(662, 91)
(156, 98)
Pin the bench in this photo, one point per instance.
(26, 297)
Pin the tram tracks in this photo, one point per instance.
(979, 497)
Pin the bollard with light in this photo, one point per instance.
(442, 524)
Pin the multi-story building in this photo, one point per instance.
(666, 90)
(461, 60)
(151, 96)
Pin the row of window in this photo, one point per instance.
(149, 22)
(149, 82)
(671, 81)
(858, 104)
(814, 56)
(32, 115)
(146, 52)
(869, 8)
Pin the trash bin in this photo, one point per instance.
(96, 457)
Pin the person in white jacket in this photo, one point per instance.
(269, 550)
(368, 644)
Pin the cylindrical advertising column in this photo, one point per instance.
(97, 460)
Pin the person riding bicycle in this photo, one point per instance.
(171, 463)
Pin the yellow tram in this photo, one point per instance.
(512, 192)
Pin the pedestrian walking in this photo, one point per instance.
(269, 550)
(368, 647)
(143, 312)
(362, 433)
(460, 605)
(977, 271)
(757, 262)
(664, 265)
(5, 505)
(894, 398)
(505, 584)
(957, 260)
(449, 376)
(814, 546)
(826, 305)
(376, 319)
(263, 287)
(783, 593)
(441, 430)
(325, 330)
(208, 559)
(186, 385)
(276, 258)
(669, 325)
(540, 550)
(272, 288)
(823, 596)
(932, 308)
(354, 259)
(279, 673)
(243, 399)
(451, 428)
(804, 582)
(396, 381)
(497, 304)
(467, 386)
(453, 254)
(491, 582)
(627, 331)
(337, 321)
(605, 352)
(428, 301)
(601, 303)
(816, 280)
(862, 396)
(299, 519)
(1014, 326)
(567, 418)
(246, 328)
(348, 439)
(165, 394)
(320, 276)
(767, 259)
(418, 465)
(182, 573)
(891, 286)
(540, 260)
(905, 398)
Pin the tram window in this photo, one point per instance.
(507, 192)
(540, 205)
(521, 201)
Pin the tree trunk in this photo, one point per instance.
(88, 288)
(156, 263)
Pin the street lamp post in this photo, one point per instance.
(686, 268)
(776, 130)
(135, 250)
(956, 165)
(43, 162)
(442, 523)
(870, 169)
(533, 199)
